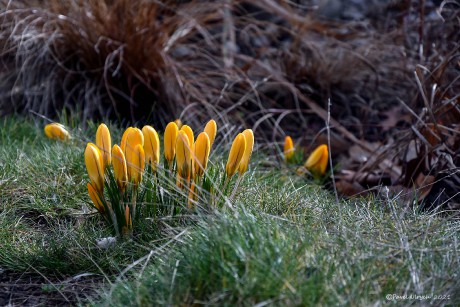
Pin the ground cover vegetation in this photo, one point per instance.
(348, 194)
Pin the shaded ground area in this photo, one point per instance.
(28, 289)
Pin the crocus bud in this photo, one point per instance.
(123, 138)
(170, 138)
(211, 130)
(201, 153)
(151, 146)
(183, 155)
(178, 122)
(56, 131)
(244, 164)
(236, 154)
(94, 166)
(317, 161)
(95, 198)
(133, 138)
(288, 148)
(135, 161)
(119, 167)
(104, 142)
(190, 135)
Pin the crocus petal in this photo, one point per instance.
(56, 131)
(211, 130)
(288, 148)
(244, 164)
(190, 135)
(183, 155)
(236, 154)
(178, 122)
(201, 153)
(151, 146)
(119, 167)
(93, 194)
(123, 138)
(136, 163)
(170, 138)
(133, 138)
(104, 142)
(317, 161)
(94, 166)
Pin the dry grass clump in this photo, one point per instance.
(128, 59)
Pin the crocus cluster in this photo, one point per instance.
(186, 156)
(316, 163)
(122, 179)
(118, 178)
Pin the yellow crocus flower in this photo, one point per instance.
(244, 164)
(211, 130)
(288, 148)
(201, 153)
(56, 131)
(170, 138)
(135, 160)
(317, 161)
(178, 122)
(94, 166)
(151, 146)
(123, 138)
(104, 142)
(183, 155)
(95, 198)
(236, 154)
(190, 134)
(133, 138)
(119, 167)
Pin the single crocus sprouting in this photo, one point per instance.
(56, 131)
(151, 146)
(317, 161)
(119, 167)
(288, 148)
(211, 130)
(94, 166)
(135, 164)
(236, 154)
(201, 153)
(93, 194)
(170, 138)
(183, 155)
(104, 142)
(244, 164)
